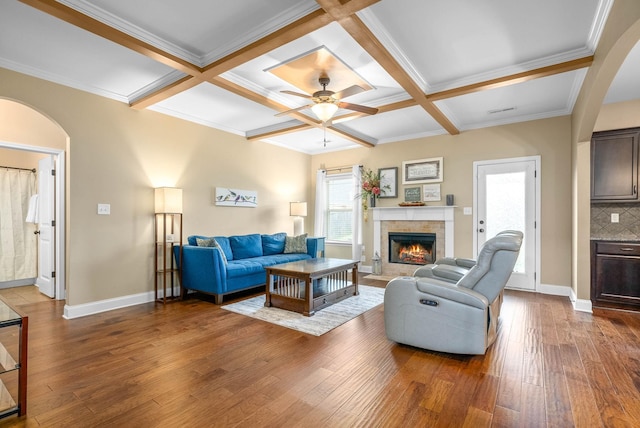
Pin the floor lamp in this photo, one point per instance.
(168, 233)
(298, 210)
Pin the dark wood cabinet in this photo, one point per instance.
(614, 166)
(615, 274)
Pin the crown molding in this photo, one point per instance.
(194, 119)
(376, 27)
(86, 8)
(61, 80)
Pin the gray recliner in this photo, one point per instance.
(451, 269)
(458, 317)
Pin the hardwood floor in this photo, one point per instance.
(192, 364)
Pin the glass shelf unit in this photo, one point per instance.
(14, 328)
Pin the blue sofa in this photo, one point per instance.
(236, 263)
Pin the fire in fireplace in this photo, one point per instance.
(412, 248)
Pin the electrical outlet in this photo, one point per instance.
(615, 218)
(363, 258)
(104, 209)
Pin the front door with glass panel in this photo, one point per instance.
(506, 200)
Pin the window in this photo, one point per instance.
(338, 213)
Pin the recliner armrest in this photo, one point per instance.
(465, 263)
(449, 291)
(445, 272)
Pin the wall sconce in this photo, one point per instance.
(298, 210)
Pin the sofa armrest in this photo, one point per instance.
(203, 269)
(314, 245)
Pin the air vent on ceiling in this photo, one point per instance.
(502, 110)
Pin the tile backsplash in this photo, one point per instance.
(628, 229)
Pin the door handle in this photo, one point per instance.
(37, 232)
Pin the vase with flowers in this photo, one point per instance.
(370, 189)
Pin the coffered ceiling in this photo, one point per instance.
(429, 66)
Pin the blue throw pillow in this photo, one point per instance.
(273, 244)
(246, 246)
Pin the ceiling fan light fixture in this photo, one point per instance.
(324, 111)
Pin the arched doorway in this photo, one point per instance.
(26, 130)
(620, 36)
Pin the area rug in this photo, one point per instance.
(322, 321)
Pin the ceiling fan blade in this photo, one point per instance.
(358, 107)
(351, 90)
(282, 113)
(297, 94)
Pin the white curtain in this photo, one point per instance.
(321, 202)
(18, 244)
(356, 243)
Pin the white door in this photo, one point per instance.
(506, 194)
(46, 241)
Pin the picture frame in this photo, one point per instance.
(412, 194)
(389, 177)
(422, 171)
(227, 197)
(431, 192)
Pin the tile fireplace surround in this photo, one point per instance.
(438, 220)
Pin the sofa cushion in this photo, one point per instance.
(273, 244)
(295, 244)
(223, 241)
(211, 242)
(246, 246)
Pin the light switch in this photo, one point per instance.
(615, 218)
(466, 211)
(104, 209)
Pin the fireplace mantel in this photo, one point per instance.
(428, 213)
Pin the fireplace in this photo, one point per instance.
(412, 248)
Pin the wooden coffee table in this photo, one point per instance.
(309, 285)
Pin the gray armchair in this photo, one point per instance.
(453, 316)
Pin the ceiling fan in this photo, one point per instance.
(326, 103)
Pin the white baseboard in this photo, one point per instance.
(562, 290)
(77, 311)
(580, 305)
(555, 290)
(85, 309)
(365, 269)
(17, 283)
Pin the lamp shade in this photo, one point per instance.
(324, 111)
(168, 200)
(298, 209)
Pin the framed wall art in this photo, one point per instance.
(422, 171)
(236, 198)
(431, 192)
(412, 194)
(389, 182)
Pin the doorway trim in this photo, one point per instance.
(60, 211)
(537, 179)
